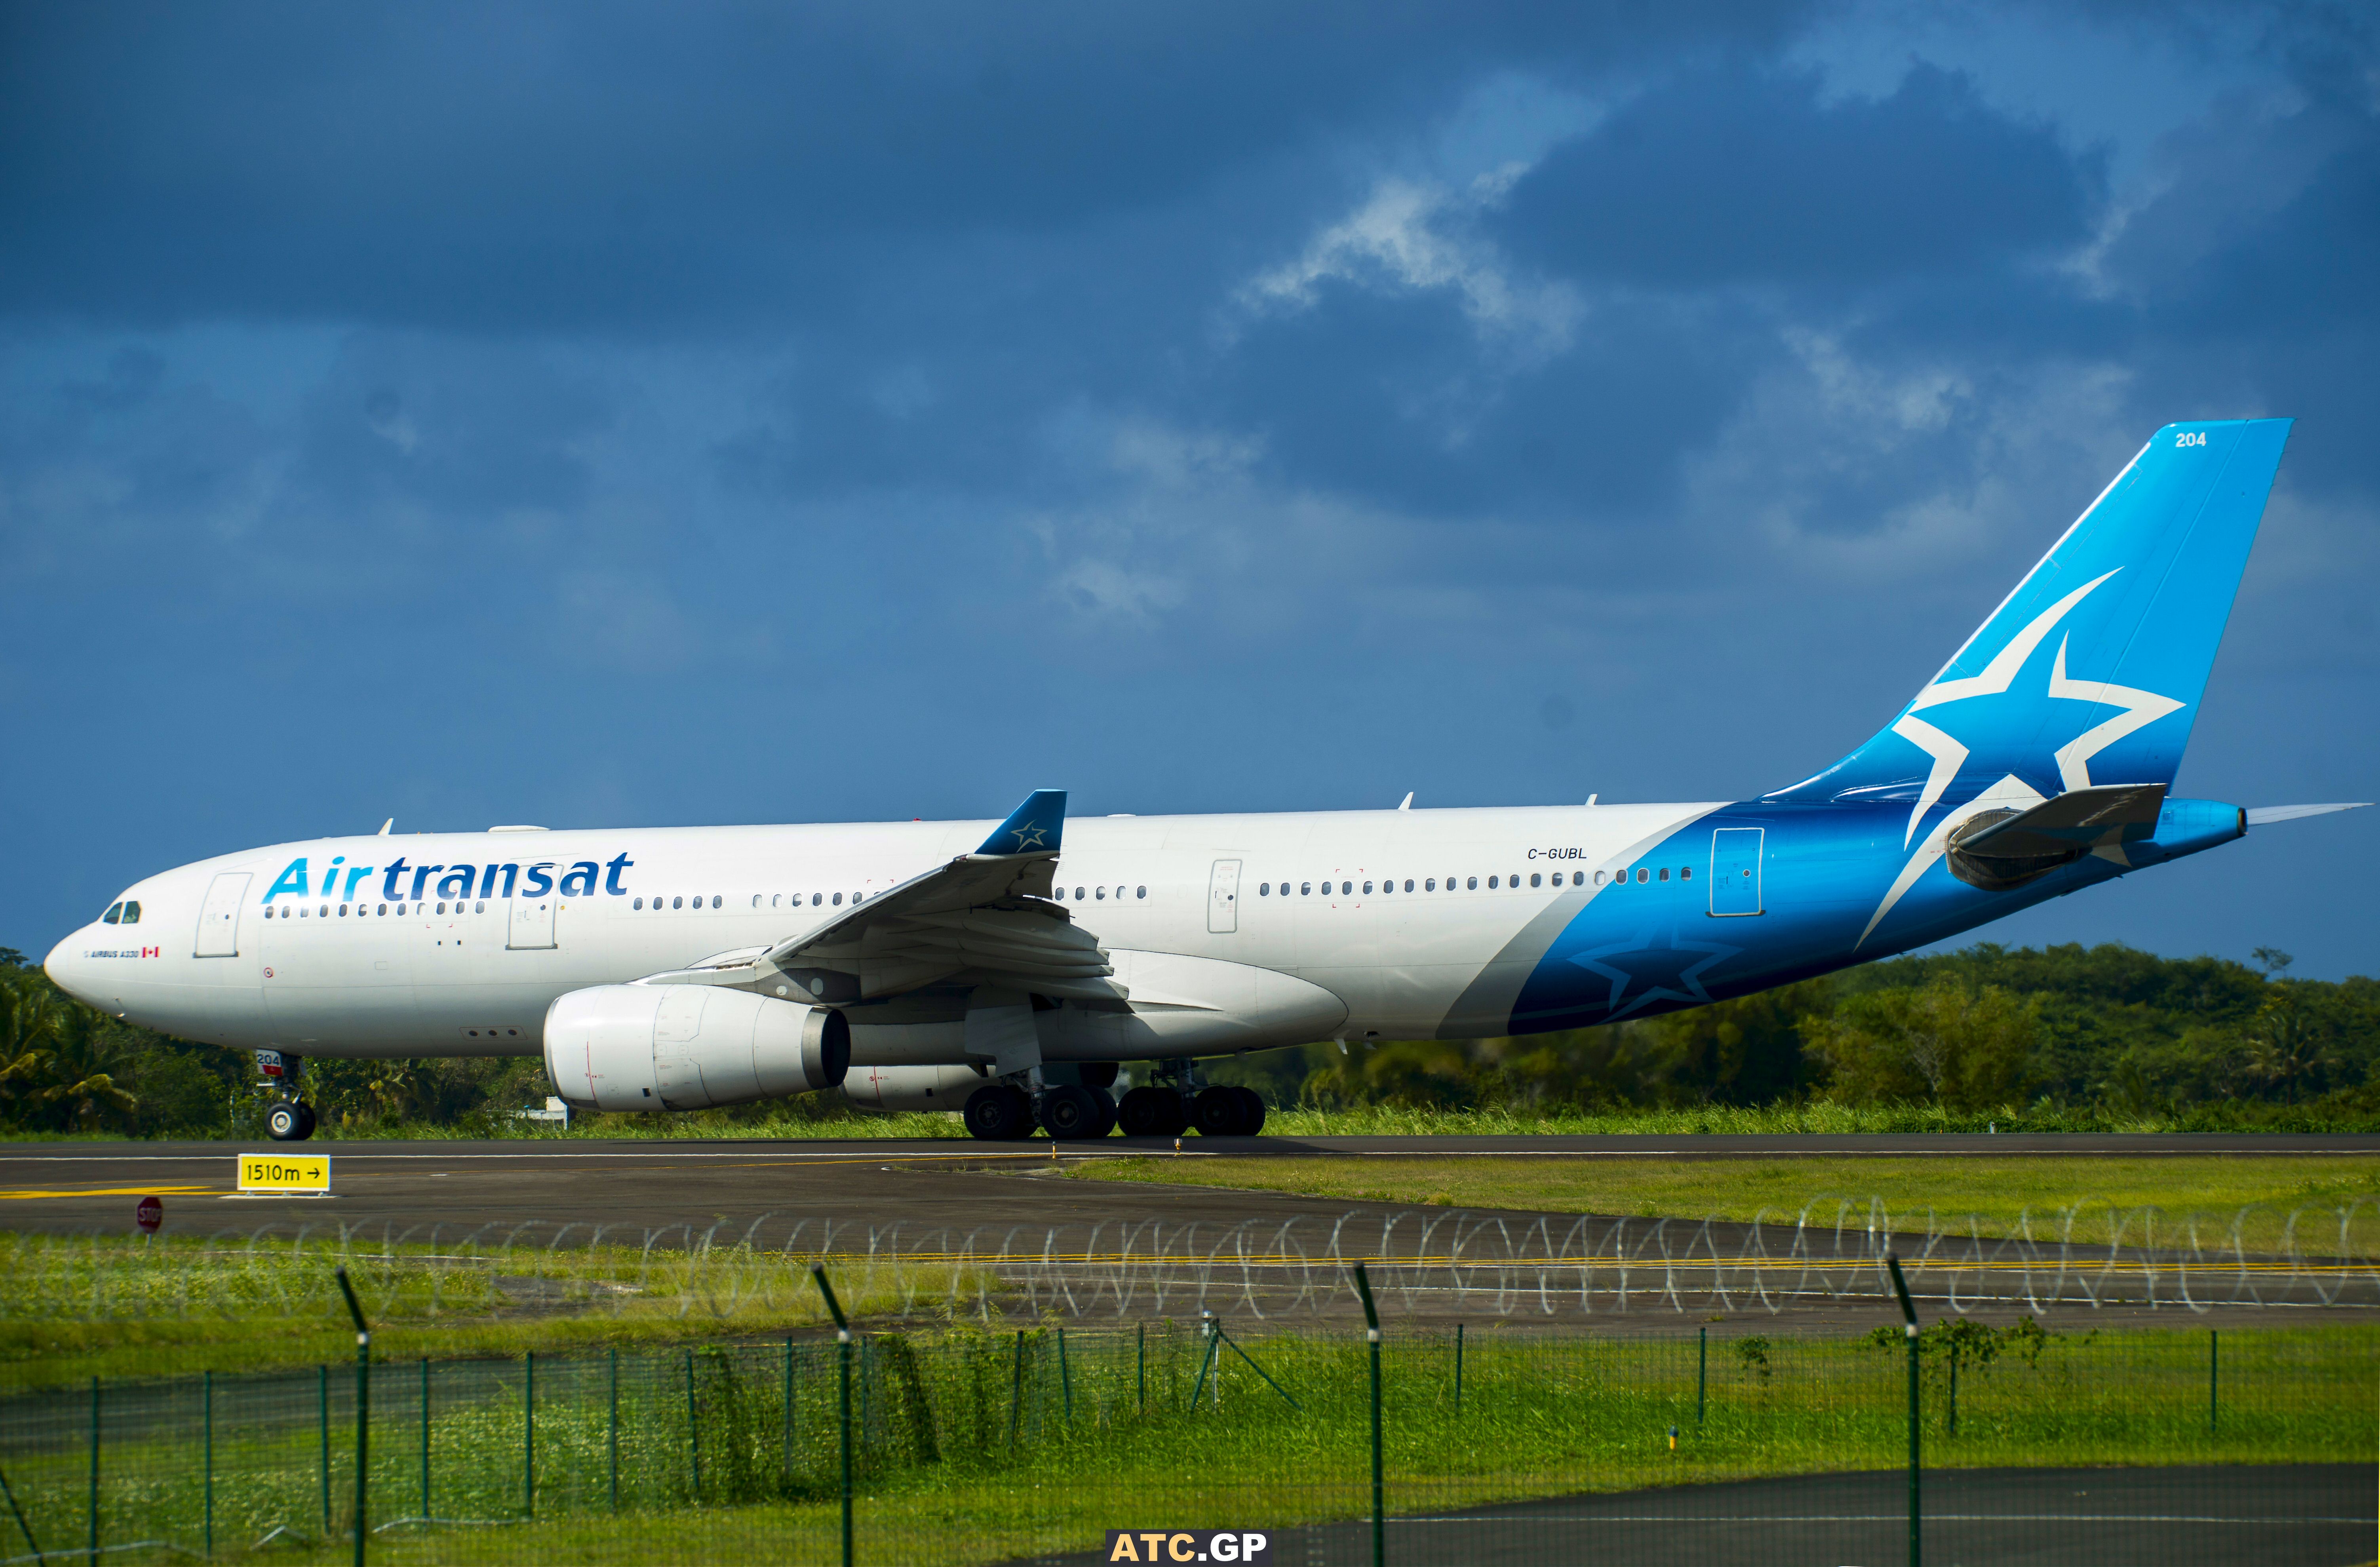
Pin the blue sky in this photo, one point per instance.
(592, 415)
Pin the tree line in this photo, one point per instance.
(2106, 1031)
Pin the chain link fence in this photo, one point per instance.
(972, 1443)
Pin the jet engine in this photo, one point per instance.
(688, 1046)
(913, 1087)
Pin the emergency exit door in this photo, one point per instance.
(1735, 872)
(219, 916)
(530, 925)
(1223, 897)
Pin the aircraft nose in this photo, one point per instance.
(64, 966)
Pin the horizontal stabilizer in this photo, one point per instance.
(2079, 819)
(2264, 816)
(2000, 849)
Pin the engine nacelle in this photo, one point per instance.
(688, 1046)
(912, 1087)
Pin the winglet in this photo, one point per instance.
(1034, 828)
(384, 827)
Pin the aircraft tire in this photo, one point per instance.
(1070, 1113)
(1216, 1113)
(305, 1115)
(1252, 1112)
(998, 1113)
(285, 1122)
(1107, 1121)
(1150, 1112)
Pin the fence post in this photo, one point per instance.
(94, 1470)
(1908, 1329)
(425, 1440)
(789, 1409)
(1372, 1339)
(363, 1414)
(2210, 1382)
(1458, 1369)
(207, 1421)
(616, 1430)
(323, 1412)
(1015, 1385)
(1065, 1379)
(842, 1346)
(1140, 1364)
(693, 1430)
(529, 1435)
(1702, 1372)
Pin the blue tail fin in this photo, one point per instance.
(2090, 673)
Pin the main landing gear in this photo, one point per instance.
(1178, 1101)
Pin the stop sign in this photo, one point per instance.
(148, 1213)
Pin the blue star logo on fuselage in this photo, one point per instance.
(1642, 973)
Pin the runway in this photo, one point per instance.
(81, 1186)
(948, 1207)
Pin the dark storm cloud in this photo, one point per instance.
(1747, 176)
(615, 167)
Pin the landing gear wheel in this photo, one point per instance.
(1107, 1121)
(1070, 1113)
(998, 1113)
(1252, 1112)
(305, 1115)
(287, 1123)
(1216, 1113)
(1150, 1112)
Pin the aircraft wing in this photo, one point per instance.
(982, 918)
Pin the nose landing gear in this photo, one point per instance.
(291, 1119)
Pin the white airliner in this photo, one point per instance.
(1003, 970)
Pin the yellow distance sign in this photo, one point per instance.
(285, 1172)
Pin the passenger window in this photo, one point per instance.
(1367, 886)
(1430, 885)
(1536, 880)
(114, 912)
(343, 911)
(1491, 883)
(1120, 893)
(1346, 887)
(1264, 889)
(716, 901)
(639, 902)
(1141, 893)
(838, 900)
(1079, 894)
(1599, 878)
(1305, 888)
(1472, 885)
(816, 899)
(1643, 875)
(1665, 873)
(326, 911)
(384, 908)
(1685, 873)
(1100, 893)
(678, 902)
(442, 908)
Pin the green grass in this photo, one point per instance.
(2106, 1194)
(1814, 1118)
(970, 1453)
(72, 1308)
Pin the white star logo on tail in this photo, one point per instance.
(2073, 759)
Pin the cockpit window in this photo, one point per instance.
(131, 911)
(114, 912)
